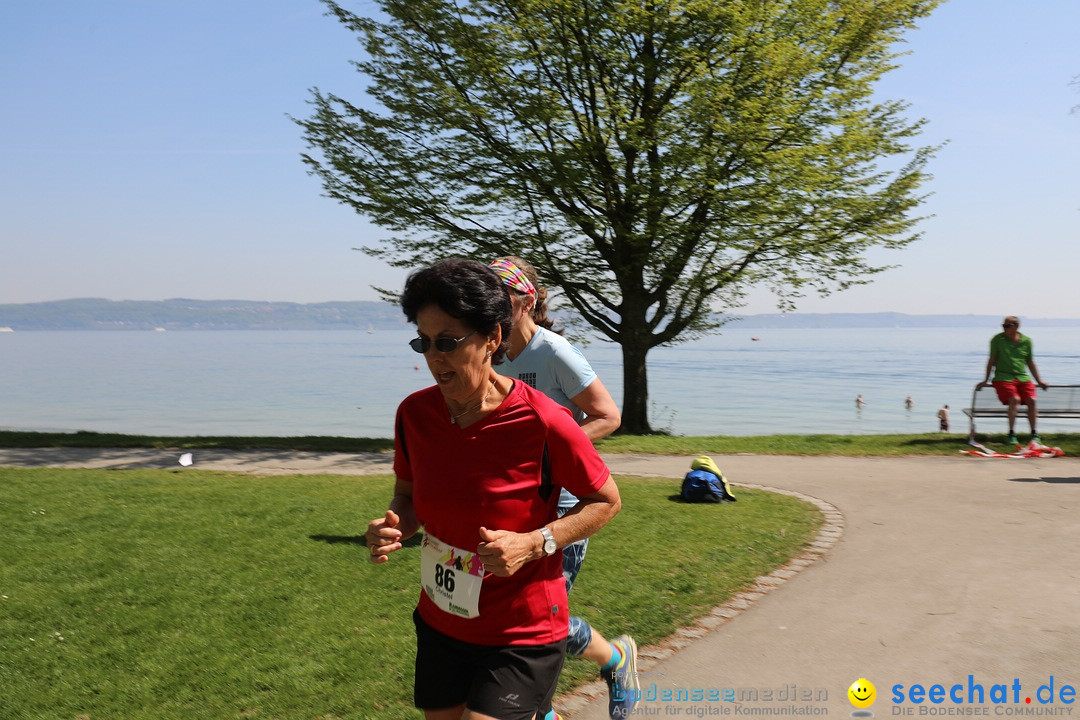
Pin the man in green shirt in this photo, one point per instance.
(1010, 358)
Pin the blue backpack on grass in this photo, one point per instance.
(705, 483)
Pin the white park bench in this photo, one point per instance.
(1057, 401)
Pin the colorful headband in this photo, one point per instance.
(512, 276)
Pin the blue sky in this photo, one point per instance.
(146, 153)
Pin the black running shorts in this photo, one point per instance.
(506, 682)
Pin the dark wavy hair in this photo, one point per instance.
(465, 289)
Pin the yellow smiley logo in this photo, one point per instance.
(862, 693)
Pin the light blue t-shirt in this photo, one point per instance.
(553, 366)
(556, 368)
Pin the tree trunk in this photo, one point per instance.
(635, 410)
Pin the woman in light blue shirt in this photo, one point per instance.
(545, 360)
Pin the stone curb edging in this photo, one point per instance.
(832, 529)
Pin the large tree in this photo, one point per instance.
(654, 158)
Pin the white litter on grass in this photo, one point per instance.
(186, 460)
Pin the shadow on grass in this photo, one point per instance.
(679, 499)
(414, 541)
(338, 539)
(82, 438)
(945, 442)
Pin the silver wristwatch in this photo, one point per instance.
(549, 541)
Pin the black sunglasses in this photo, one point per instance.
(443, 344)
(1008, 324)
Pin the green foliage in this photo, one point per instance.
(139, 595)
(654, 159)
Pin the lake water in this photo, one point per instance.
(349, 384)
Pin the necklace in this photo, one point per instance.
(474, 408)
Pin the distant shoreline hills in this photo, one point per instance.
(184, 314)
(361, 315)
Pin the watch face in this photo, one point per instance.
(549, 542)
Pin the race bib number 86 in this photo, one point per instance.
(451, 577)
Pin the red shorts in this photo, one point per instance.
(1007, 389)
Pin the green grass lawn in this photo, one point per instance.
(155, 594)
(852, 445)
(855, 445)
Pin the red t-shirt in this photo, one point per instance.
(490, 474)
